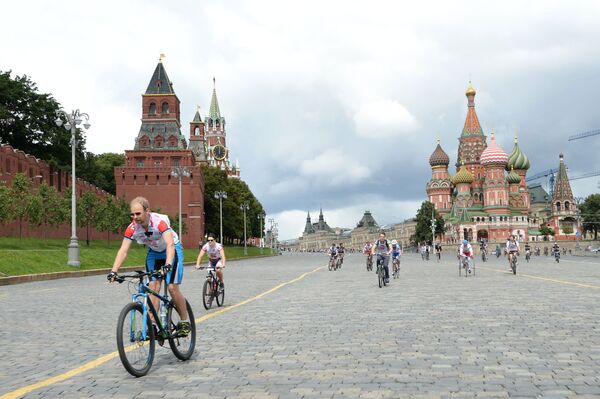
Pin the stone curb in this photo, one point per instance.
(28, 278)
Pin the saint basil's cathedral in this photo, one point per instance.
(482, 202)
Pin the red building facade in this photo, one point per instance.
(160, 154)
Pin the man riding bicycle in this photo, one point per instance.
(332, 251)
(164, 251)
(396, 252)
(527, 251)
(382, 249)
(512, 248)
(216, 257)
(465, 252)
(341, 251)
(555, 249)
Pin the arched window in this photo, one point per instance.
(558, 206)
(197, 131)
(158, 141)
(567, 205)
(165, 108)
(152, 109)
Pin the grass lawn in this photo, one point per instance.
(33, 255)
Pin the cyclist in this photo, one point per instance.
(216, 257)
(483, 246)
(438, 251)
(164, 250)
(423, 251)
(341, 251)
(396, 252)
(555, 249)
(332, 251)
(512, 247)
(367, 251)
(527, 251)
(466, 251)
(382, 249)
(498, 250)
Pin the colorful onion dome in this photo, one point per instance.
(439, 157)
(493, 154)
(513, 177)
(463, 176)
(517, 159)
(470, 90)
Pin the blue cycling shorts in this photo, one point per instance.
(155, 260)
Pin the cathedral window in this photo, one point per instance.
(175, 161)
(158, 141)
(172, 141)
(152, 108)
(566, 205)
(197, 131)
(558, 206)
(165, 108)
(139, 162)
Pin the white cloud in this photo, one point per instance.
(384, 118)
(333, 166)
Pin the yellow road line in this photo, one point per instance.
(545, 279)
(105, 358)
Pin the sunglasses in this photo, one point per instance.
(210, 240)
(132, 214)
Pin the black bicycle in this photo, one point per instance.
(136, 337)
(527, 256)
(513, 262)
(557, 256)
(463, 266)
(212, 290)
(483, 254)
(380, 272)
(369, 262)
(332, 263)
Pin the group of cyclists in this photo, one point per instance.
(384, 250)
(165, 255)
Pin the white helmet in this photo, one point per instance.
(394, 242)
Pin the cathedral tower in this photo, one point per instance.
(495, 188)
(471, 146)
(564, 208)
(439, 188)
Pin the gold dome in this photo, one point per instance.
(470, 90)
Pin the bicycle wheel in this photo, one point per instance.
(207, 295)
(330, 265)
(182, 347)
(513, 265)
(136, 352)
(220, 296)
(380, 276)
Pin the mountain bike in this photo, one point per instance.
(463, 265)
(557, 256)
(338, 264)
(396, 267)
(513, 262)
(369, 262)
(136, 338)
(332, 263)
(484, 255)
(212, 289)
(380, 272)
(527, 256)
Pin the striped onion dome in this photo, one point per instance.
(517, 159)
(463, 176)
(493, 154)
(439, 157)
(513, 177)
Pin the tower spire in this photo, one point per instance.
(214, 111)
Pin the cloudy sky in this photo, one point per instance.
(328, 103)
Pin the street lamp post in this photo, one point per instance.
(261, 217)
(271, 222)
(220, 195)
(179, 172)
(578, 201)
(73, 120)
(244, 207)
(432, 227)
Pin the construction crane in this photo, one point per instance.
(585, 175)
(584, 135)
(546, 174)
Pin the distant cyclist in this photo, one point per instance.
(465, 251)
(512, 248)
(341, 251)
(382, 249)
(216, 257)
(332, 251)
(396, 251)
(527, 251)
(438, 251)
(555, 249)
(368, 252)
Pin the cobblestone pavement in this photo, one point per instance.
(331, 334)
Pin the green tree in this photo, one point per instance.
(99, 170)
(112, 216)
(423, 227)
(6, 211)
(568, 229)
(546, 231)
(45, 208)
(20, 199)
(88, 206)
(27, 121)
(590, 213)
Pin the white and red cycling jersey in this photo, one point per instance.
(367, 249)
(152, 237)
(214, 252)
(465, 250)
